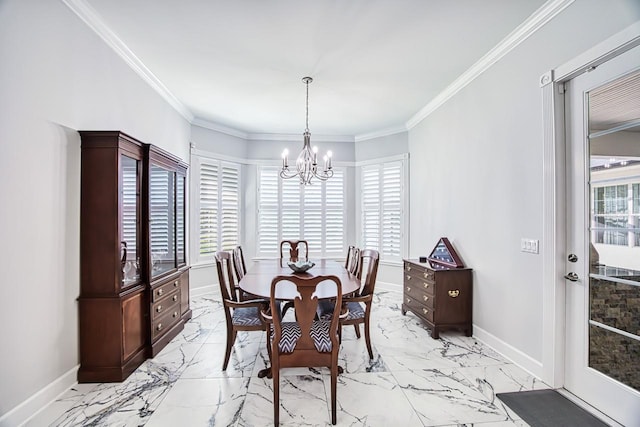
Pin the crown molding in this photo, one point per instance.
(197, 121)
(95, 22)
(298, 137)
(380, 133)
(537, 20)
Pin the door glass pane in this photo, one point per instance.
(614, 285)
(130, 221)
(180, 219)
(162, 220)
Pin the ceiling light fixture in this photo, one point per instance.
(307, 161)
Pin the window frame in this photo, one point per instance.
(403, 159)
(197, 258)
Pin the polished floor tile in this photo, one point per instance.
(413, 380)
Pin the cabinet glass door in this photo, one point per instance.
(130, 221)
(162, 220)
(180, 219)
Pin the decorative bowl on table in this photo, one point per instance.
(300, 266)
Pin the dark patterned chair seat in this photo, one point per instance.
(249, 316)
(291, 333)
(356, 311)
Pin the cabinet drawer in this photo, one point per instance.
(416, 283)
(419, 293)
(420, 272)
(419, 309)
(164, 322)
(165, 289)
(158, 309)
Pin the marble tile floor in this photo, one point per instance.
(413, 380)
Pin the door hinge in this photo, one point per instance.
(562, 88)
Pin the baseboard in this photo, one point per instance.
(203, 290)
(36, 403)
(389, 287)
(511, 353)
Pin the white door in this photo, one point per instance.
(602, 364)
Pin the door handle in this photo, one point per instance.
(571, 276)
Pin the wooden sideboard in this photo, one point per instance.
(439, 295)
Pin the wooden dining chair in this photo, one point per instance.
(360, 305)
(294, 247)
(240, 315)
(305, 342)
(238, 263)
(352, 262)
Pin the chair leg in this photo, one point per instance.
(334, 382)
(357, 328)
(275, 372)
(367, 335)
(231, 338)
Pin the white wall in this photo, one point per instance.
(56, 77)
(476, 172)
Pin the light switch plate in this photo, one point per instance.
(529, 245)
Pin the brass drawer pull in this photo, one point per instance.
(426, 285)
(425, 311)
(408, 300)
(159, 327)
(160, 292)
(408, 277)
(175, 297)
(408, 268)
(175, 314)
(454, 293)
(408, 289)
(424, 297)
(159, 309)
(428, 275)
(175, 284)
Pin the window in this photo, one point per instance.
(382, 208)
(288, 210)
(219, 205)
(617, 215)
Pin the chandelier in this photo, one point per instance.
(307, 161)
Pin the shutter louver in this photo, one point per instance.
(334, 215)
(229, 207)
(268, 237)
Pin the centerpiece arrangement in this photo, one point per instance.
(300, 266)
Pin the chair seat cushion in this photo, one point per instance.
(356, 311)
(247, 316)
(291, 333)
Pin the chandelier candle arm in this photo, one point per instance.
(307, 160)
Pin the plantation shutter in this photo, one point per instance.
(334, 215)
(229, 206)
(208, 208)
(382, 209)
(268, 207)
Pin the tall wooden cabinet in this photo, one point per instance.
(132, 246)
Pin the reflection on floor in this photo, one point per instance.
(414, 380)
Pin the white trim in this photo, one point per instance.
(197, 121)
(41, 399)
(380, 133)
(529, 364)
(538, 19)
(294, 137)
(95, 22)
(210, 155)
(613, 46)
(397, 157)
(203, 290)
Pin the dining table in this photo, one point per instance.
(257, 282)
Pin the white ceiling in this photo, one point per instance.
(375, 63)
